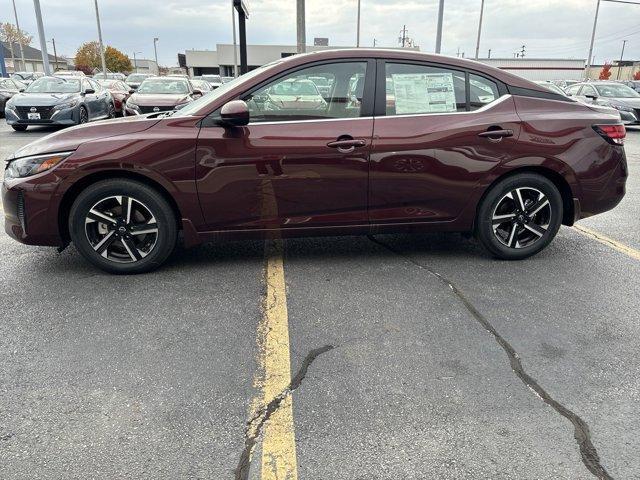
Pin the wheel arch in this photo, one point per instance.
(72, 193)
(568, 207)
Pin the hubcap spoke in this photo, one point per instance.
(143, 228)
(132, 250)
(500, 219)
(127, 206)
(517, 197)
(102, 246)
(532, 227)
(536, 207)
(100, 217)
(513, 238)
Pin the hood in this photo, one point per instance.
(71, 138)
(42, 99)
(158, 100)
(627, 102)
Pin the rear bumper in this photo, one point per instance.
(603, 191)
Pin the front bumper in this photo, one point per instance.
(66, 116)
(30, 210)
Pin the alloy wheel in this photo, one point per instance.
(121, 229)
(521, 217)
(84, 117)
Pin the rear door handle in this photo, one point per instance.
(496, 134)
(350, 144)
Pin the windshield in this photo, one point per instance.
(211, 97)
(54, 85)
(136, 77)
(616, 91)
(164, 86)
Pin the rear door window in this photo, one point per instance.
(482, 91)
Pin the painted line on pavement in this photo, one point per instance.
(609, 242)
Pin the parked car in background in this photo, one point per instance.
(161, 94)
(508, 160)
(135, 79)
(59, 101)
(120, 92)
(202, 85)
(551, 86)
(69, 73)
(610, 94)
(227, 79)
(322, 84)
(294, 94)
(27, 77)
(635, 84)
(214, 80)
(8, 88)
(563, 84)
(110, 75)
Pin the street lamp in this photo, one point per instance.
(155, 51)
(104, 63)
(43, 41)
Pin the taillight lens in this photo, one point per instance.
(613, 134)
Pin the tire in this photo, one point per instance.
(111, 109)
(19, 128)
(83, 115)
(119, 246)
(510, 232)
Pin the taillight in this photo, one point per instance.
(613, 134)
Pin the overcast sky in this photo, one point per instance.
(548, 28)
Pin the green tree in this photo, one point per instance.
(88, 56)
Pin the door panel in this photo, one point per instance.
(425, 167)
(272, 175)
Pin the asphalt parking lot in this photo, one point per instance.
(411, 357)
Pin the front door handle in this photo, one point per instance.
(496, 135)
(347, 145)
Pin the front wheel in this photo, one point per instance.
(123, 226)
(111, 111)
(83, 116)
(519, 216)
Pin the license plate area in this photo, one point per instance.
(33, 116)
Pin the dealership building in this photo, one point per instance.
(221, 61)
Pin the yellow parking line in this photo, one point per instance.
(278, 443)
(610, 242)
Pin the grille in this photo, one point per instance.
(20, 212)
(166, 108)
(45, 112)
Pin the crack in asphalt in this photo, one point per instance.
(255, 424)
(582, 435)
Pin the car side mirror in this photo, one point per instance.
(197, 92)
(132, 91)
(89, 91)
(21, 90)
(592, 97)
(234, 114)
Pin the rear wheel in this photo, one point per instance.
(19, 128)
(83, 116)
(111, 111)
(123, 226)
(519, 216)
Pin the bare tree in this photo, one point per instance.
(11, 35)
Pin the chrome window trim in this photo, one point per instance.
(488, 106)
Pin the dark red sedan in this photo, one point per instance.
(119, 91)
(401, 141)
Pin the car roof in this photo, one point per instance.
(400, 54)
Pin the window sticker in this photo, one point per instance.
(424, 92)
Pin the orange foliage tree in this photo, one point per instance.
(636, 76)
(605, 73)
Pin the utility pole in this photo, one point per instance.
(458, 52)
(235, 43)
(135, 63)
(358, 34)
(155, 52)
(489, 56)
(374, 43)
(479, 29)
(624, 42)
(300, 26)
(15, 14)
(593, 37)
(3, 67)
(55, 53)
(43, 39)
(522, 51)
(104, 63)
(439, 29)
(403, 36)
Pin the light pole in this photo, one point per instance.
(155, 52)
(624, 42)
(235, 43)
(43, 40)
(479, 29)
(55, 53)
(593, 37)
(15, 14)
(358, 34)
(300, 26)
(135, 63)
(104, 63)
(439, 29)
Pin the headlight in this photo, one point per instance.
(622, 108)
(27, 166)
(62, 106)
(9, 106)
